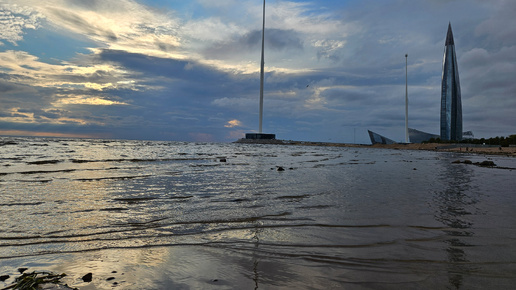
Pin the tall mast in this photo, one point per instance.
(261, 69)
(406, 100)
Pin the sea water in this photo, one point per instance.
(178, 215)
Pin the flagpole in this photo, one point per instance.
(262, 69)
(406, 100)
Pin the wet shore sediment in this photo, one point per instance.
(465, 148)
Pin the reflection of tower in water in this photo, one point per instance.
(256, 240)
(455, 203)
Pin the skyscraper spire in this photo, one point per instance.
(449, 36)
(451, 106)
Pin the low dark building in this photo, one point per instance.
(417, 136)
(379, 139)
(260, 136)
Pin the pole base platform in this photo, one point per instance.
(260, 136)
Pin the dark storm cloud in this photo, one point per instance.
(500, 28)
(152, 67)
(347, 96)
(10, 87)
(183, 105)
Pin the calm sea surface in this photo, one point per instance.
(171, 215)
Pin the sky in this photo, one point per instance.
(189, 70)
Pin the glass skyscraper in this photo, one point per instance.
(451, 106)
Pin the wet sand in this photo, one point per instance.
(180, 267)
(506, 151)
(465, 148)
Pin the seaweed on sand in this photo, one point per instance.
(36, 279)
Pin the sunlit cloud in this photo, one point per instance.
(121, 25)
(233, 123)
(15, 20)
(29, 70)
(45, 116)
(85, 100)
(49, 134)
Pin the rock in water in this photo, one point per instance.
(88, 277)
(487, 163)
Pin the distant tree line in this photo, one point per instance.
(500, 141)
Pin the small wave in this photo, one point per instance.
(39, 145)
(45, 171)
(35, 180)
(135, 160)
(205, 165)
(315, 206)
(12, 158)
(293, 196)
(114, 209)
(236, 200)
(133, 200)
(83, 210)
(3, 143)
(241, 200)
(21, 203)
(112, 178)
(43, 162)
(173, 173)
(181, 197)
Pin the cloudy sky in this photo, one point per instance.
(189, 70)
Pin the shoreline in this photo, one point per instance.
(438, 147)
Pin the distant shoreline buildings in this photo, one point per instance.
(451, 105)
